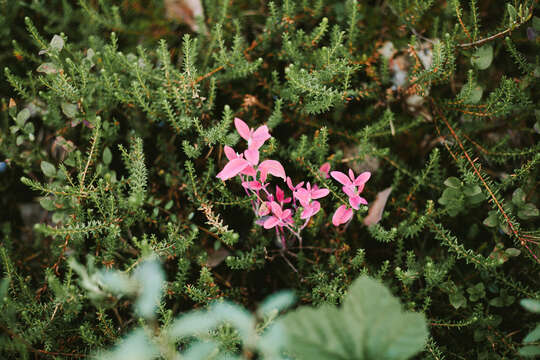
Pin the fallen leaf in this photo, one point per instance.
(377, 207)
(216, 257)
(184, 11)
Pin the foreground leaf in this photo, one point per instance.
(369, 325)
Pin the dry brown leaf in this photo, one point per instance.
(216, 257)
(184, 11)
(377, 207)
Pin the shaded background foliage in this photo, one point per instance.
(437, 99)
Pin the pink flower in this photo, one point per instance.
(305, 195)
(350, 180)
(255, 138)
(252, 185)
(230, 153)
(342, 215)
(237, 164)
(233, 168)
(290, 184)
(353, 186)
(271, 167)
(310, 210)
(324, 169)
(279, 216)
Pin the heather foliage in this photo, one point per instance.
(188, 179)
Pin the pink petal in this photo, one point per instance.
(252, 156)
(253, 185)
(325, 168)
(261, 134)
(302, 195)
(276, 209)
(342, 215)
(311, 210)
(280, 195)
(271, 167)
(350, 191)
(249, 171)
(242, 128)
(319, 193)
(233, 168)
(307, 213)
(363, 201)
(289, 183)
(271, 222)
(286, 214)
(341, 177)
(351, 174)
(362, 178)
(315, 206)
(230, 153)
(355, 202)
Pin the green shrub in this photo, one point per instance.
(116, 118)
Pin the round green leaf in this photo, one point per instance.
(491, 220)
(531, 305)
(70, 110)
(482, 57)
(107, 156)
(22, 116)
(512, 13)
(48, 169)
(512, 252)
(453, 182)
(527, 211)
(476, 95)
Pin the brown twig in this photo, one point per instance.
(513, 229)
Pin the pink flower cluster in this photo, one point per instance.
(275, 210)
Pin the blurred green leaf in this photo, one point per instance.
(22, 116)
(70, 110)
(369, 325)
(453, 182)
(276, 302)
(529, 351)
(531, 305)
(136, 346)
(151, 281)
(107, 156)
(482, 57)
(457, 300)
(48, 169)
(528, 211)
